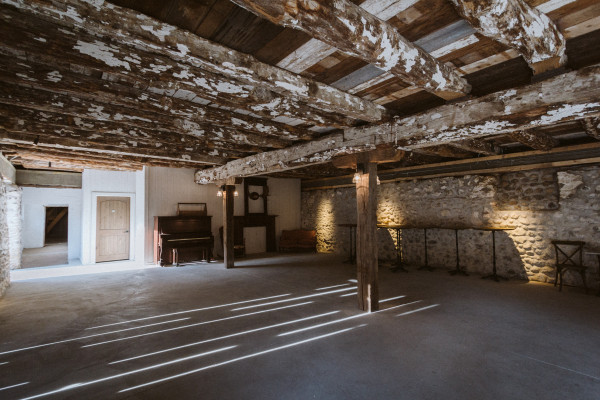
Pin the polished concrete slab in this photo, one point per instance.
(286, 327)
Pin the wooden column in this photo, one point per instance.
(228, 225)
(366, 244)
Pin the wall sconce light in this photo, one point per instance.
(356, 177)
(378, 181)
(221, 192)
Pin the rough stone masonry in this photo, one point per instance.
(542, 204)
(4, 242)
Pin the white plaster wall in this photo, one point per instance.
(35, 200)
(112, 183)
(168, 186)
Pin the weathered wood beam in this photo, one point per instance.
(76, 93)
(356, 32)
(152, 73)
(516, 24)
(52, 141)
(185, 48)
(535, 139)
(84, 158)
(476, 146)
(137, 130)
(383, 154)
(366, 238)
(444, 151)
(567, 97)
(592, 127)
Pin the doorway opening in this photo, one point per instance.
(56, 233)
(57, 225)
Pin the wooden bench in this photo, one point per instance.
(298, 240)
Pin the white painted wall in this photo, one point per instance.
(168, 186)
(34, 216)
(113, 183)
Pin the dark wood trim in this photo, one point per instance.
(228, 255)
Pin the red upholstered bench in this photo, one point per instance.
(298, 240)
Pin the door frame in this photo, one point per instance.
(94, 226)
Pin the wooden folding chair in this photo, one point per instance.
(569, 256)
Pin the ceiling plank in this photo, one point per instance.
(566, 97)
(356, 32)
(517, 25)
(190, 53)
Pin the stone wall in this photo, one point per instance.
(15, 224)
(4, 242)
(542, 205)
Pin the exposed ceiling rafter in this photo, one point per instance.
(355, 31)
(194, 61)
(517, 25)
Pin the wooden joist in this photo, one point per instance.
(535, 139)
(356, 32)
(567, 97)
(476, 146)
(77, 94)
(192, 58)
(520, 26)
(592, 127)
(41, 41)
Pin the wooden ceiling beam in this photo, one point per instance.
(189, 52)
(444, 151)
(41, 42)
(563, 98)
(35, 157)
(476, 146)
(54, 141)
(592, 127)
(134, 129)
(67, 96)
(535, 139)
(355, 31)
(517, 25)
(383, 154)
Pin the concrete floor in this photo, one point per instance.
(51, 254)
(448, 338)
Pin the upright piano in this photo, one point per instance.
(182, 237)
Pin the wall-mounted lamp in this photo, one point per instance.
(378, 181)
(221, 192)
(356, 177)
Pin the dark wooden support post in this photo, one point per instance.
(366, 230)
(228, 225)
